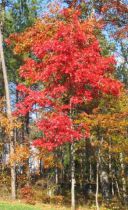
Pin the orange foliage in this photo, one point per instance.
(44, 29)
(27, 194)
(4, 121)
(50, 160)
(112, 124)
(20, 154)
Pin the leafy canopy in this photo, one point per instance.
(64, 70)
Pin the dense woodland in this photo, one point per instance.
(64, 102)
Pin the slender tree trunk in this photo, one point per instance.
(27, 119)
(62, 169)
(117, 187)
(110, 170)
(9, 115)
(56, 168)
(73, 205)
(73, 201)
(97, 171)
(90, 167)
(90, 176)
(56, 175)
(104, 179)
(41, 168)
(8, 103)
(123, 177)
(97, 183)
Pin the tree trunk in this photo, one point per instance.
(56, 175)
(41, 167)
(27, 119)
(117, 187)
(97, 171)
(73, 205)
(13, 175)
(90, 168)
(90, 176)
(123, 178)
(97, 184)
(110, 170)
(8, 104)
(104, 179)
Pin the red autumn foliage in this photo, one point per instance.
(57, 129)
(72, 70)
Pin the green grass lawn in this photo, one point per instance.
(17, 206)
(8, 205)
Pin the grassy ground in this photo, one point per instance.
(9, 205)
(17, 205)
(20, 206)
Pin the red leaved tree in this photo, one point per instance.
(65, 70)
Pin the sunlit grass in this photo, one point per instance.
(18, 205)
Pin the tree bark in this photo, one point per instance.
(97, 183)
(123, 178)
(90, 168)
(110, 170)
(8, 103)
(73, 205)
(117, 187)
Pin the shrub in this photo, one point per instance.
(58, 199)
(27, 194)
